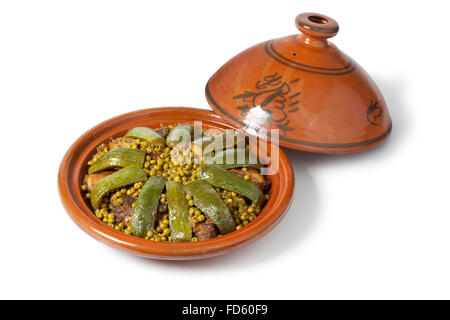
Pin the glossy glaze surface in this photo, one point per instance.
(73, 168)
(318, 98)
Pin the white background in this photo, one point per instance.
(370, 225)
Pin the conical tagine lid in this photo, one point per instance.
(318, 98)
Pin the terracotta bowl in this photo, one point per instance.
(73, 168)
(318, 97)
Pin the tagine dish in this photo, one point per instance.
(154, 183)
(175, 183)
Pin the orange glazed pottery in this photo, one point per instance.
(74, 166)
(318, 98)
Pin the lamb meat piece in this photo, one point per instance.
(155, 154)
(120, 143)
(91, 180)
(127, 201)
(163, 210)
(123, 214)
(163, 207)
(163, 131)
(127, 220)
(262, 183)
(205, 230)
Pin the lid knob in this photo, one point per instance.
(316, 25)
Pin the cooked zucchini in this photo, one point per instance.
(146, 207)
(181, 133)
(180, 227)
(224, 179)
(207, 200)
(119, 179)
(146, 134)
(119, 157)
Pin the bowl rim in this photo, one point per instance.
(70, 173)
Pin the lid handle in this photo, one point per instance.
(316, 25)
